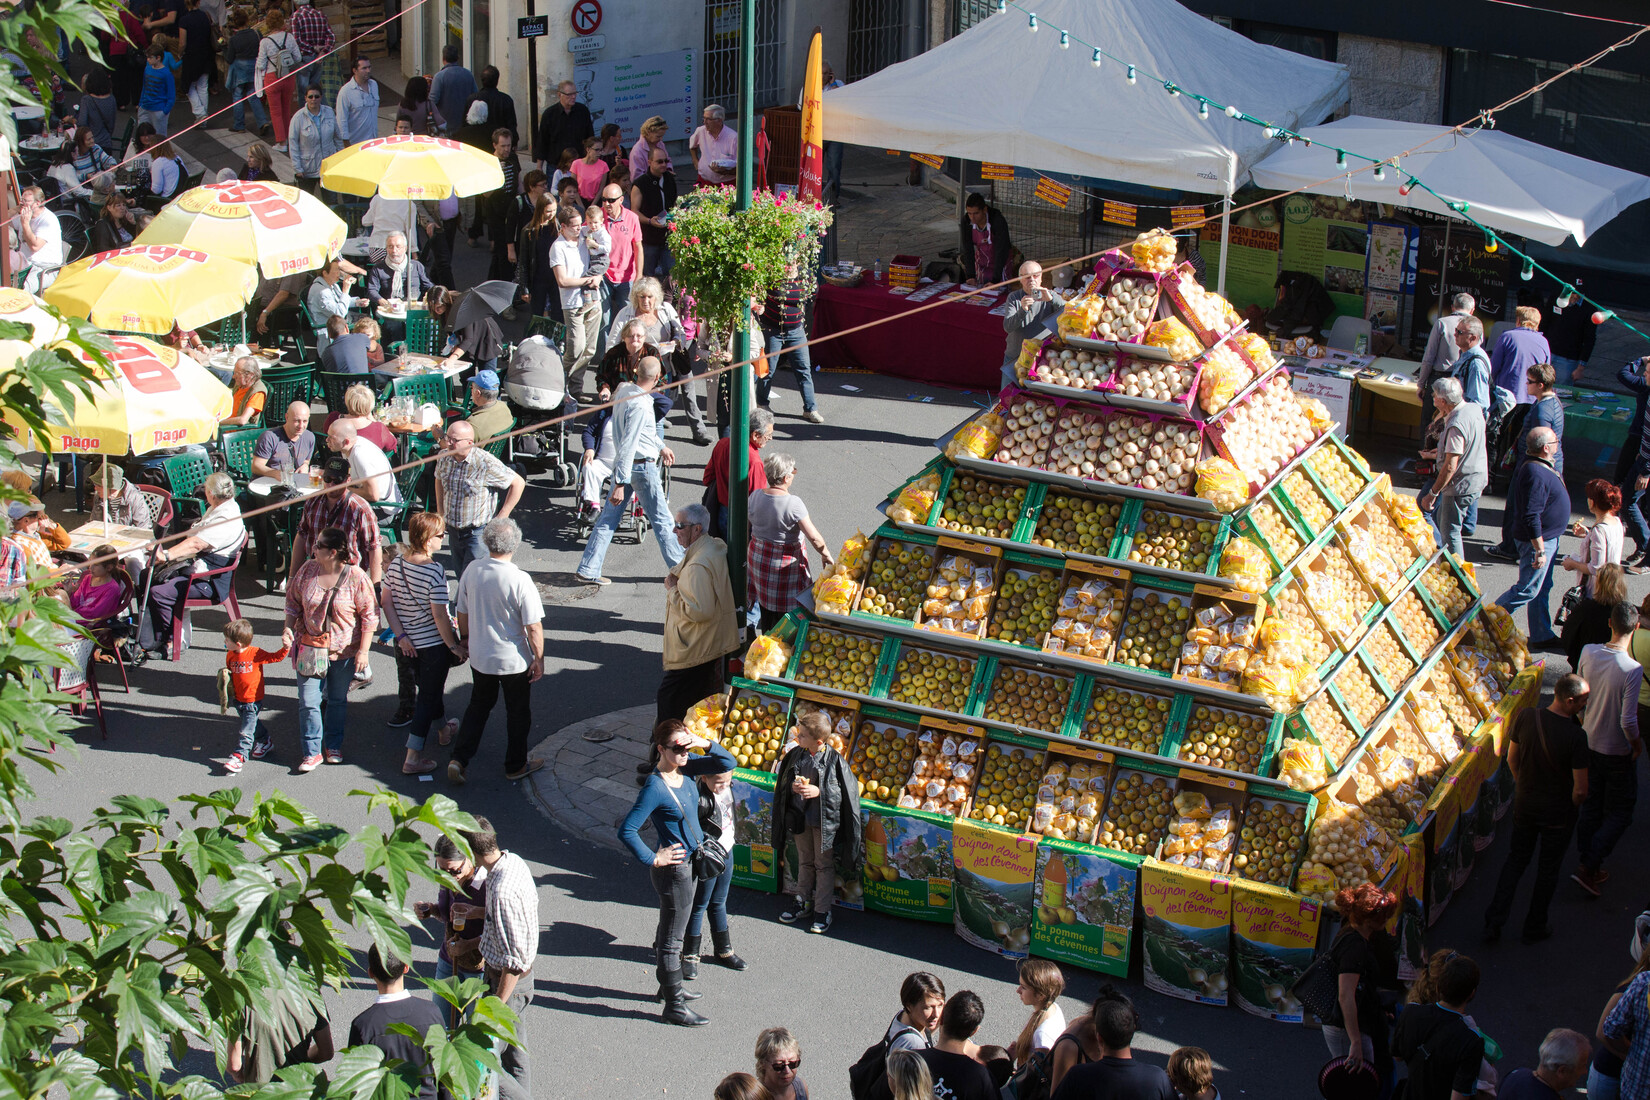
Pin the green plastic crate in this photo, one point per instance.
(890, 662)
(1223, 532)
(986, 684)
(1334, 498)
(804, 636)
(1160, 585)
(1179, 706)
(1130, 506)
(1176, 739)
(1280, 794)
(1033, 489)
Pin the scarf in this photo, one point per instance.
(398, 277)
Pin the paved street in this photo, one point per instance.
(593, 1025)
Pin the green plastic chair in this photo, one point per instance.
(237, 452)
(286, 385)
(420, 332)
(391, 530)
(186, 474)
(547, 327)
(334, 383)
(500, 448)
(231, 330)
(431, 388)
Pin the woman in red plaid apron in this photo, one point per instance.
(776, 564)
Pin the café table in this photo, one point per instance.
(284, 520)
(417, 364)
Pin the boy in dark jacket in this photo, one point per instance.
(817, 802)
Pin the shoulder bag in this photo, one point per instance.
(1318, 987)
(710, 858)
(315, 650)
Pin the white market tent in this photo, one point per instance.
(998, 92)
(1509, 184)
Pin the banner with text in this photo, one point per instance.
(1274, 935)
(1187, 931)
(1052, 192)
(907, 863)
(994, 872)
(1328, 238)
(1085, 906)
(1251, 269)
(1120, 213)
(754, 865)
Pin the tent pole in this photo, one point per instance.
(1225, 244)
(1443, 266)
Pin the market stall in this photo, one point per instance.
(955, 343)
(1143, 667)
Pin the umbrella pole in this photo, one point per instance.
(1443, 266)
(1225, 244)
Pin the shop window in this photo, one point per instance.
(1301, 40)
(720, 65)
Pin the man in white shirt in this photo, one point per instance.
(715, 148)
(357, 105)
(213, 542)
(637, 452)
(41, 240)
(581, 302)
(1441, 352)
(367, 465)
(1614, 743)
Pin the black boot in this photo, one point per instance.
(690, 957)
(676, 1009)
(724, 956)
(663, 994)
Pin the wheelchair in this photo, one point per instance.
(633, 522)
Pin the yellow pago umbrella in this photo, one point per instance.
(146, 288)
(24, 308)
(412, 166)
(280, 228)
(156, 397)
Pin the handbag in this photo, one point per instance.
(315, 650)
(710, 859)
(1572, 599)
(1318, 987)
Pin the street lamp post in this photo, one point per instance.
(740, 404)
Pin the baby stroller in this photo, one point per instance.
(535, 389)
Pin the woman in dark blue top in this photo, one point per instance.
(670, 799)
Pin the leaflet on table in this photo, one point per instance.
(1274, 936)
(929, 291)
(753, 864)
(994, 869)
(1187, 931)
(1085, 906)
(908, 863)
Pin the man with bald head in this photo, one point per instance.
(1029, 309)
(287, 449)
(637, 453)
(1538, 511)
(369, 466)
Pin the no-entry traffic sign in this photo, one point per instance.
(587, 16)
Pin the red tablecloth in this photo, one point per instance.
(951, 344)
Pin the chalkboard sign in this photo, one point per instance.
(1487, 276)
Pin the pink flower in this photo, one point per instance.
(819, 205)
(748, 267)
(693, 240)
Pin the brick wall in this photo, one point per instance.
(1397, 80)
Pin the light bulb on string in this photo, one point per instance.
(1031, 21)
(1527, 272)
(1602, 316)
(1232, 112)
(1565, 297)
(1203, 109)
(1492, 243)
(1270, 132)
(1340, 158)
(1130, 76)
(1407, 186)
(1380, 171)
(1174, 93)
(1097, 58)
(1002, 6)
(1065, 40)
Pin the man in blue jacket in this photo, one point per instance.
(1539, 507)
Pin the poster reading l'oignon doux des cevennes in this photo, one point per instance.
(1187, 931)
(1274, 933)
(994, 873)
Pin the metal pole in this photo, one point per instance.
(1443, 267)
(1225, 244)
(739, 472)
(532, 75)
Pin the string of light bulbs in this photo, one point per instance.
(1376, 166)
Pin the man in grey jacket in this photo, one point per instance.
(1028, 312)
(637, 452)
(1463, 464)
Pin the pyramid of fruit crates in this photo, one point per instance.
(1153, 548)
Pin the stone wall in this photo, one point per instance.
(1403, 81)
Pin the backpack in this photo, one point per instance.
(1031, 1080)
(873, 1064)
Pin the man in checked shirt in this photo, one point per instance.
(509, 943)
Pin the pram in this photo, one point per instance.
(535, 389)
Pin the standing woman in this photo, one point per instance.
(909, 1077)
(653, 138)
(711, 895)
(778, 1056)
(670, 802)
(1357, 1029)
(460, 952)
(779, 571)
(330, 610)
(1604, 1075)
(241, 53)
(420, 109)
(197, 43)
(97, 111)
(538, 285)
(1600, 543)
(427, 645)
(276, 55)
(1589, 623)
(1041, 984)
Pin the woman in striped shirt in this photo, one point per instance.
(415, 607)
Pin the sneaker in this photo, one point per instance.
(1587, 880)
(533, 764)
(1501, 553)
(821, 924)
(402, 718)
(333, 756)
(262, 749)
(702, 438)
(814, 416)
(234, 764)
(593, 580)
(309, 764)
(280, 146)
(794, 912)
(455, 772)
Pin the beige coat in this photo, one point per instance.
(699, 623)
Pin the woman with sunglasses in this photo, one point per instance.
(670, 800)
(777, 1057)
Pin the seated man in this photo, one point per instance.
(488, 414)
(289, 448)
(398, 278)
(346, 351)
(213, 543)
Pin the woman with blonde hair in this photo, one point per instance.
(1589, 623)
(908, 1076)
(778, 1056)
(359, 403)
(666, 331)
(369, 328)
(1041, 984)
(260, 164)
(740, 1086)
(653, 137)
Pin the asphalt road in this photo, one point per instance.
(593, 1026)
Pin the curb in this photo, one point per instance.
(587, 786)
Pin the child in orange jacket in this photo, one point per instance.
(242, 683)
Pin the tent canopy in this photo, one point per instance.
(998, 92)
(1509, 184)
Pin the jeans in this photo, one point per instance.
(335, 687)
(197, 97)
(444, 969)
(1632, 517)
(683, 687)
(1612, 791)
(1563, 367)
(579, 347)
(676, 890)
(518, 716)
(1533, 589)
(1469, 519)
(466, 547)
(687, 397)
(160, 120)
(240, 88)
(1600, 1087)
(430, 667)
(657, 261)
(1526, 834)
(615, 296)
(252, 730)
(816, 870)
(711, 896)
(1449, 513)
(784, 346)
(515, 1083)
(644, 481)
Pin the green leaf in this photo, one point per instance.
(382, 923)
(246, 899)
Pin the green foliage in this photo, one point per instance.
(30, 33)
(725, 258)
